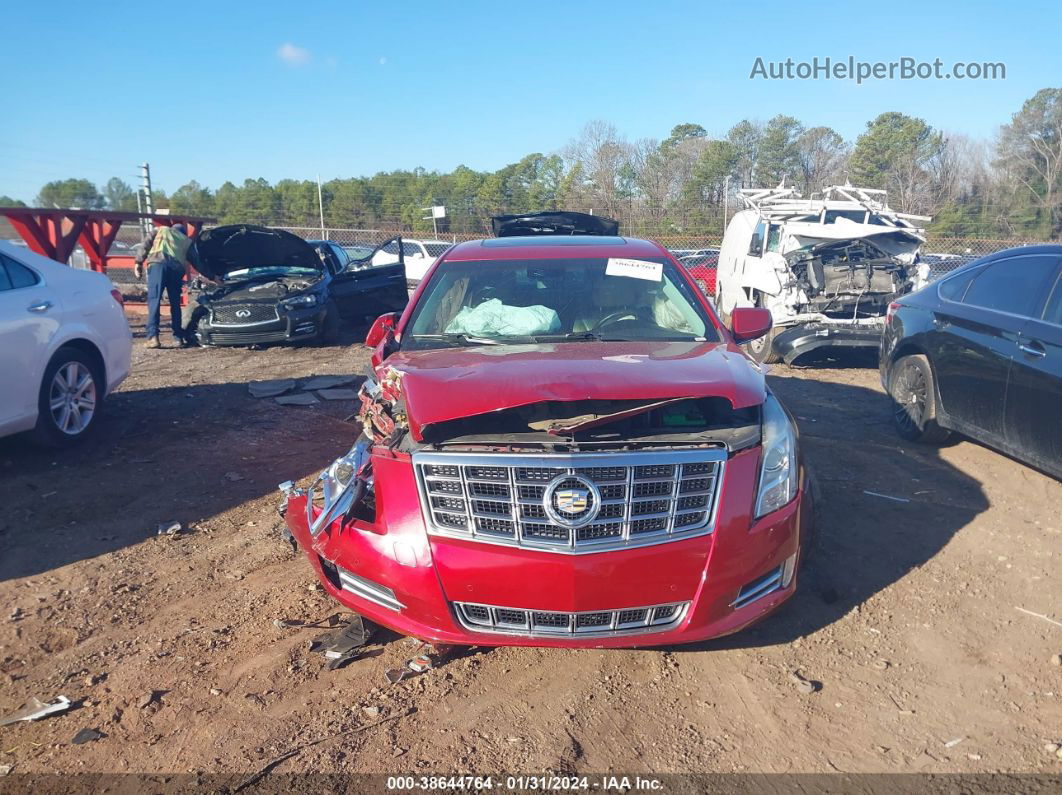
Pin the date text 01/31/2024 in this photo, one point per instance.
(543, 782)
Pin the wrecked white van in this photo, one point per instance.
(827, 267)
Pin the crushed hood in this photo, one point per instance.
(224, 249)
(452, 383)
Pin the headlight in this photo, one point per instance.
(310, 299)
(778, 465)
(343, 484)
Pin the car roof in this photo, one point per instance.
(554, 247)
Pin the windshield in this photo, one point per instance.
(435, 249)
(556, 300)
(271, 270)
(359, 251)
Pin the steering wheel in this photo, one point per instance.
(623, 314)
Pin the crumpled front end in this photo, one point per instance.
(540, 536)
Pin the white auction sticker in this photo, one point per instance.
(635, 269)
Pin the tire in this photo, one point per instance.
(762, 349)
(330, 327)
(70, 400)
(191, 331)
(914, 400)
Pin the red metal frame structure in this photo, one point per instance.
(54, 233)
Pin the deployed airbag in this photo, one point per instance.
(492, 318)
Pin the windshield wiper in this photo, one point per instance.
(464, 339)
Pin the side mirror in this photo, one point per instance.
(750, 323)
(756, 245)
(381, 327)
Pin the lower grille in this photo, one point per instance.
(573, 503)
(243, 314)
(530, 623)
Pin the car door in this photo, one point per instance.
(364, 289)
(30, 314)
(975, 339)
(1033, 424)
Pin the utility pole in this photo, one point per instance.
(320, 205)
(726, 200)
(149, 205)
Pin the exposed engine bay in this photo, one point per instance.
(262, 288)
(848, 278)
(590, 425)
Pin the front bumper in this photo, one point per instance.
(395, 573)
(798, 340)
(293, 325)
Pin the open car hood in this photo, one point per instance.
(553, 223)
(224, 249)
(451, 383)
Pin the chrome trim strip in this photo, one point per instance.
(369, 590)
(571, 462)
(767, 584)
(528, 629)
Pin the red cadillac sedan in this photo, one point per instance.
(562, 446)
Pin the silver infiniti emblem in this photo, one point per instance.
(571, 501)
(243, 313)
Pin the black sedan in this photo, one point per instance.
(980, 353)
(269, 286)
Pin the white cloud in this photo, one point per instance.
(383, 61)
(293, 55)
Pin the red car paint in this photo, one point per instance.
(704, 273)
(441, 385)
(428, 572)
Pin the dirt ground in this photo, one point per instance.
(907, 613)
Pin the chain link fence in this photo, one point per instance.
(943, 254)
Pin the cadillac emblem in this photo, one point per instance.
(571, 501)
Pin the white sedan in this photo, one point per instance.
(64, 346)
(419, 255)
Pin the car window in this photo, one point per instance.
(756, 244)
(17, 275)
(411, 249)
(557, 300)
(774, 237)
(5, 281)
(1014, 285)
(1053, 312)
(390, 248)
(340, 254)
(954, 287)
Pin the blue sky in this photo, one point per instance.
(228, 90)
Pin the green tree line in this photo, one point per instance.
(1008, 187)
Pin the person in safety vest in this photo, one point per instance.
(166, 253)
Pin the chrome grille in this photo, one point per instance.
(517, 621)
(233, 314)
(631, 499)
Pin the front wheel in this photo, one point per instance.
(914, 400)
(762, 348)
(70, 399)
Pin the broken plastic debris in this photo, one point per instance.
(169, 528)
(396, 675)
(327, 382)
(35, 709)
(86, 736)
(262, 389)
(345, 644)
(301, 399)
(953, 743)
(420, 663)
(338, 394)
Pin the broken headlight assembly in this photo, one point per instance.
(778, 461)
(343, 487)
(300, 301)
